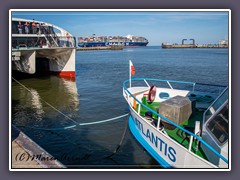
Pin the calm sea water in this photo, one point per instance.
(97, 95)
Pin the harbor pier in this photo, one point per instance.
(27, 154)
(221, 44)
(168, 46)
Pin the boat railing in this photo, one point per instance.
(191, 86)
(51, 38)
(42, 41)
(130, 96)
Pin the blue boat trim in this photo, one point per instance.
(141, 140)
(169, 121)
(173, 81)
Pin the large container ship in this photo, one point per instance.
(129, 40)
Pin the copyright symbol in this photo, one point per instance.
(22, 157)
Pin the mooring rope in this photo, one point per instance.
(65, 127)
(73, 126)
(46, 129)
(120, 143)
(102, 121)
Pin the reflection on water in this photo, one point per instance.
(37, 103)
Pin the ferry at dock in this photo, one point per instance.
(181, 124)
(41, 48)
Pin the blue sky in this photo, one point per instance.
(157, 27)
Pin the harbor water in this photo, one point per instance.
(49, 109)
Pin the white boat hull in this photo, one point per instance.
(61, 61)
(167, 152)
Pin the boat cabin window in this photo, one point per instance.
(218, 126)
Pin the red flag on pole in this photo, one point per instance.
(132, 69)
(131, 72)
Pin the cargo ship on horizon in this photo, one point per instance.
(96, 41)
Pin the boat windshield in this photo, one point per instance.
(218, 126)
(216, 105)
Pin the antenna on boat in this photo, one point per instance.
(131, 72)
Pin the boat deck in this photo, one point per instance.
(184, 139)
(175, 133)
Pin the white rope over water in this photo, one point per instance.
(65, 127)
(103, 121)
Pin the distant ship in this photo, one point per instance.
(95, 41)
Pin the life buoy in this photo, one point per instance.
(152, 93)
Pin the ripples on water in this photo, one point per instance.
(97, 95)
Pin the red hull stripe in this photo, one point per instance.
(67, 74)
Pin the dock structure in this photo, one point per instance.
(168, 46)
(221, 44)
(27, 154)
(112, 47)
(179, 46)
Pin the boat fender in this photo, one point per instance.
(152, 93)
(134, 102)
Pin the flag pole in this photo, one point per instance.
(130, 76)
